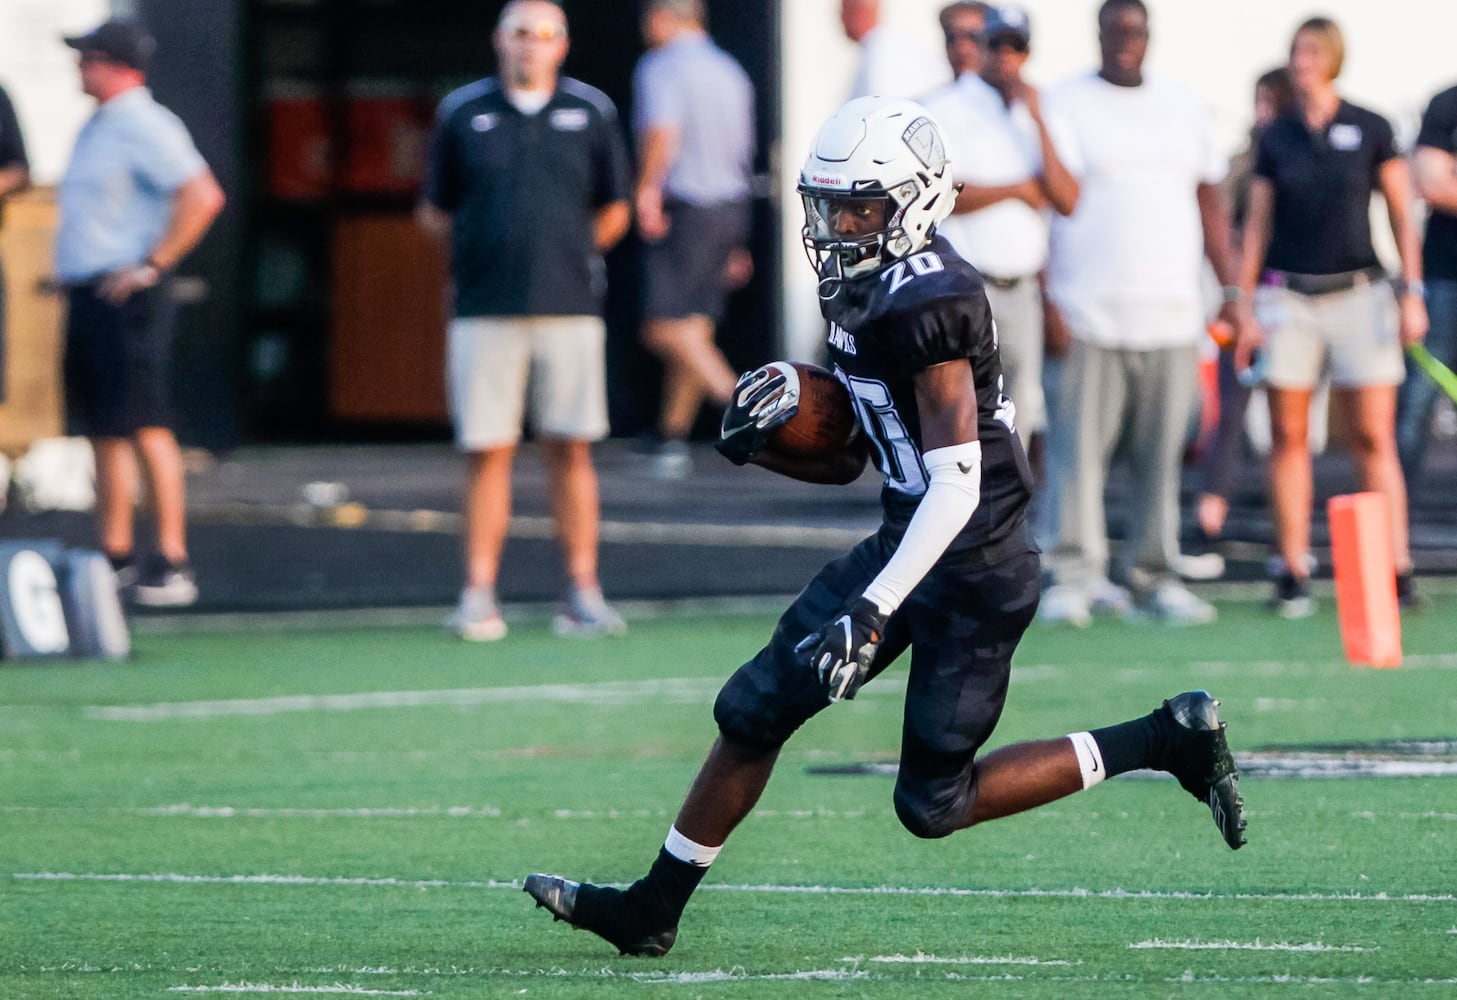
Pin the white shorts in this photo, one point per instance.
(549, 369)
(1352, 335)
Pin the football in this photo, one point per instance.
(825, 422)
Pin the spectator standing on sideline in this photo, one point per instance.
(135, 198)
(1436, 174)
(1004, 156)
(14, 176)
(892, 64)
(694, 120)
(951, 575)
(527, 185)
(962, 24)
(1126, 272)
(1323, 301)
(1221, 461)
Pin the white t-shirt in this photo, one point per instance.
(897, 65)
(1126, 267)
(991, 145)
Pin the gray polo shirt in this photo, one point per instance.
(694, 86)
(116, 195)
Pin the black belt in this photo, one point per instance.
(1003, 283)
(1324, 284)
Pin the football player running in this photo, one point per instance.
(952, 574)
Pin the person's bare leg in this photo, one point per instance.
(1024, 776)
(487, 513)
(643, 919)
(1212, 511)
(575, 505)
(695, 369)
(1372, 438)
(116, 494)
(167, 485)
(1291, 478)
(726, 790)
(682, 399)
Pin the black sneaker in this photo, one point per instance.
(1292, 598)
(609, 913)
(125, 569)
(1199, 557)
(163, 584)
(1407, 597)
(1202, 762)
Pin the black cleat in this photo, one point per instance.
(1203, 764)
(609, 913)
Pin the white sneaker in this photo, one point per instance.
(1203, 566)
(672, 462)
(1174, 604)
(1110, 600)
(1064, 605)
(477, 618)
(588, 615)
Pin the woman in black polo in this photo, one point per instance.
(1321, 301)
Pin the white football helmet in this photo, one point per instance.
(881, 160)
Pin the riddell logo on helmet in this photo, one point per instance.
(831, 180)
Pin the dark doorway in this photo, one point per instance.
(319, 322)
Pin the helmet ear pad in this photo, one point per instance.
(875, 147)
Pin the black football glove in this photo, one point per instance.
(763, 399)
(842, 650)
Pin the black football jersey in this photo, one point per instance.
(885, 328)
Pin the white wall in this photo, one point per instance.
(39, 73)
(1399, 53)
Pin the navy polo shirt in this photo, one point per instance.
(1439, 130)
(12, 146)
(523, 191)
(1323, 183)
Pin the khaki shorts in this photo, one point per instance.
(550, 369)
(1352, 335)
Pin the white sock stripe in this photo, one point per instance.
(1090, 758)
(686, 850)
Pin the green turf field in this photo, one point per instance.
(351, 813)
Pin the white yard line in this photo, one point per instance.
(676, 690)
(1118, 895)
(1255, 945)
(338, 989)
(920, 958)
(848, 975)
(669, 689)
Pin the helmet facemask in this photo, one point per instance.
(848, 235)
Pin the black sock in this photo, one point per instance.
(668, 884)
(1131, 745)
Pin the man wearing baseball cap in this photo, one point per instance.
(136, 197)
(1012, 180)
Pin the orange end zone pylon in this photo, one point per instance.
(1365, 579)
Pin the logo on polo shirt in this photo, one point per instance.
(1345, 137)
(569, 119)
(485, 122)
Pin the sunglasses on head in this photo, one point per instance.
(1014, 42)
(543, 31)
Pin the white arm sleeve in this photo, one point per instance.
(950, 500)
